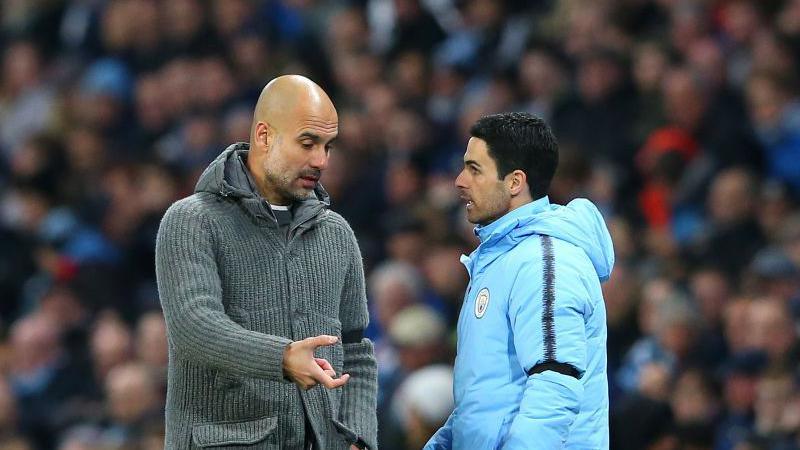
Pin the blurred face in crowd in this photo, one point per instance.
(677, 337)
(444, 272)
(215, 84)
(735, 323)
(486, 195)
(354, 71)
(692, 399)
(771, 328)
(710, 290)
(740, 392)
(654, 293)
(740, 21)
(405, 132)
(541, 74)
(706, 58)
(151, 340)
(35, 341)
(687, 24)
(111, 344)
(731, 197)
(116, 26)
(771, 53)
(402, 183)
(63, 307)
(407, 246)
(619, 292)
(410, 74)
(772, 395)
(21, 66)
(597, 78)
(150, 107)
(131, 393)
(185, 18)
(649, 65)
(295, 125)
(654, 381)
(684, 100)
(765, 101)
(390, 296)
(230, 15)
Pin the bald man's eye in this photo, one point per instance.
(308, 145)
(328, 148)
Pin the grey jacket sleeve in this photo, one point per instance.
(191, 296)
(359, 397)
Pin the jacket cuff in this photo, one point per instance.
(273, 349)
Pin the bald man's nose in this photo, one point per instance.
(319, 160)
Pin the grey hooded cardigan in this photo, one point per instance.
(236, 291)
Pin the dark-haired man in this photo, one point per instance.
(531, 366)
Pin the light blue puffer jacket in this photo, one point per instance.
(534, 297)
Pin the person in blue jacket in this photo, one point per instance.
(530, 370)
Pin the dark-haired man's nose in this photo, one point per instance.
(460, 181)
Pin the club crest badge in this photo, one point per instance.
(481, 303)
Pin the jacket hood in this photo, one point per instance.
(227, 176)
(217, 179)
(579, 223)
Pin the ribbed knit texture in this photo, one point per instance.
(235, 293)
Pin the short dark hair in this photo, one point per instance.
(519, 140)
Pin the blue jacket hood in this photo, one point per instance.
(579, 223)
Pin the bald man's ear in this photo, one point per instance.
(262, 136)
(517, 183)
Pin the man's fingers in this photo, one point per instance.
(321, 340)
(333, 383)
(324, 378)
(326, 366)
(322, 362)
(321, 370)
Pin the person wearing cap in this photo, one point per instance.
(417, 333)
(776, 275)
(423, 402)
(262, 288)
(530, 370)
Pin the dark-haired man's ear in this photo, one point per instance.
(518, 183)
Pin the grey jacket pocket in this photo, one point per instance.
(234, 433)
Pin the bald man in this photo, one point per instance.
(262, 288)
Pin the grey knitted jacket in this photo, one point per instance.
(235, 292)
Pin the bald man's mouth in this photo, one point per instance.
(309, 180)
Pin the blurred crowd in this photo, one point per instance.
(679, 118)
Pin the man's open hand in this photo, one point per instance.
(300, 365)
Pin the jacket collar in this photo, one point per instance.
(493, 236)
(228, 176)
(506, 223)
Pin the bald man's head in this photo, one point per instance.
(294, 124)
(287, 96)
